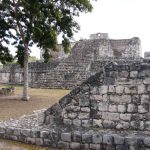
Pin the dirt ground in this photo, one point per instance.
(13, 106)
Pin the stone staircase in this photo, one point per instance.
(72, 71)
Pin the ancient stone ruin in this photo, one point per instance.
(84, 61)
(7, 91)
(109, 111)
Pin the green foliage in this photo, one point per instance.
(26, 22)
(32, 59)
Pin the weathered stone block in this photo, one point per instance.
(143, 108)
(26, 132)
(86, 138)
(118, 140)
(125, 117)
(131, 89)
(63, 145)
(97, 138)
(85, 109)
(86, 123)
(112, 108)
(84, 116)
(132, 108)
(147, 141)
(119, 89)
(110, 116)
(147, 125)
(105, 97)
(141, 89)
(103, 106)
(115, 98)
(103, 89)
(94, 90)
(72, 115)
(122, 147)
(136, 99)
(94, 146)
(109, 124)
(123, 125)
(84, 102)
(30, 140)
(44, 134)
(77, 122)
(67, 121)
(108, 139)
(123, 74)
(111, 89)
(77, 136)
(17, 132)
(96, 97)
(97, 123)
(66, 137)
(135, 124)
(145, 99)
(39, 141)
(75, 146)
(122, 108)
(133, 74)
(146, 81)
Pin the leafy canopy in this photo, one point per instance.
(28, 22)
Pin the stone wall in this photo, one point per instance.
(109, 111)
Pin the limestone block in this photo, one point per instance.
(103, 106)
(112, 108)
(105, 97)
(142, 125)
(135, 124)
(2, 130)
(145, 99)
(26, 132)
(115, 98)
(103, 89)
(67, 121)
(84, 102)
(39, 141)
(141, 89)
(132, 108)
(143, 108)
(125, 117)
(72, 115)
(44, 134)
(123, 125)
(74, 145)
(16, 132)
(66, 137)
(119, 89)
(77, 136)
(146, 81)
(125, 99)
(62, 144)
(133, 74)
(30, 140)
(94, 90)
(108, 139)
(131, 89)
(109, 124)
(147, 125)
(148, 88)
(122, 108)
(86, 138)
(77, 122)
(111, 89)
(123, 74)
(122, 147)
(96, 97)
(97, 123)
(97, 139)
(118, 140)
(84, 116)
(110, 116)
(136, 99)
(86, 123)
(85, 109)
(147, 141)
(94, 146)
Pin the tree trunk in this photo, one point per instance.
(25, 95)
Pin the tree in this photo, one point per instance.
(39, 22)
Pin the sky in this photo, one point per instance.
(121, 19)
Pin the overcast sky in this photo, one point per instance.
(119, 18)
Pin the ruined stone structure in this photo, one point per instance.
(7, 91)
(86, 55)
(109, 111)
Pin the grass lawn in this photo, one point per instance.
(13, 107)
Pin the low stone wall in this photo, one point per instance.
(7, 91)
